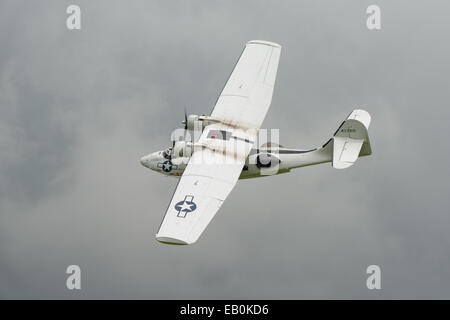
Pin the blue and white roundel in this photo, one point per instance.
(167, 166)
(185, 206)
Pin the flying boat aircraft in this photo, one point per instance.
(225, 151)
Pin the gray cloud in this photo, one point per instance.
(78, 109)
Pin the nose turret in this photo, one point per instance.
(155, 161)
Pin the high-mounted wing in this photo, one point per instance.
(246, 97)
(209, 177)
(223, 147)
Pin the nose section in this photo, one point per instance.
(145, 161)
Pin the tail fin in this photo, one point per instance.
(351, 139)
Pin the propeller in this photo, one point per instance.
(185, 121)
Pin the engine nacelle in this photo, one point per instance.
(182, 149)
(195, 122)
(191, 121)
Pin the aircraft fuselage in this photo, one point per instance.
(260, 162)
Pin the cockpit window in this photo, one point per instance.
(219, 134)
(167, 152)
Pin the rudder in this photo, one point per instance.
(351, 139)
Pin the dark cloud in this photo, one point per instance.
(79, 108)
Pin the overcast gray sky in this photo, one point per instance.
(79, 108)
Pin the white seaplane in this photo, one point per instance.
(225, 151)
